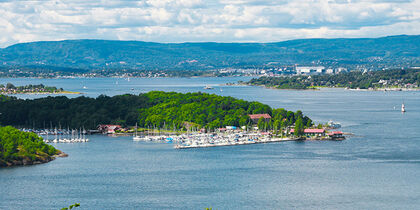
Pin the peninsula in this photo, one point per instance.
(397, 79)
(9, 88)
(24, 148)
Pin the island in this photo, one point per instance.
(155, 109)
(24, 148)
(9, 88)
(397, 79)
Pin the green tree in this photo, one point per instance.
(261, 123)
(299, 128)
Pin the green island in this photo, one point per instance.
(9, 88)
(155, 109)
(24, 148)
(397, 79)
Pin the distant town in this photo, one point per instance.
(270, 71)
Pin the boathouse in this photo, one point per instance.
(336, 135)
(256, 117)
(109, 129)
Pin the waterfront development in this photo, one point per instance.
(374, 169)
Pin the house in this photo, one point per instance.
(222, 129)
(109, 129)
(256, 117)
(312, 132)
(336, 135)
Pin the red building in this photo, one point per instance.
(109, 129)
(256, 117)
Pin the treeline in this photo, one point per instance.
(29, 88)
(22, 148)
(80, 112)
(374, 79)
(155, 109)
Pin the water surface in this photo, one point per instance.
(376, 169)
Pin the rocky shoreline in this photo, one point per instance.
(27, 161)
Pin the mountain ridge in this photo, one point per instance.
(398, 50)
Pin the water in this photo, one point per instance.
(376, 169)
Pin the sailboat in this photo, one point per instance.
(208, 87)
(136, 137)
(402, 108)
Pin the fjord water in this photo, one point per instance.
(378, 168)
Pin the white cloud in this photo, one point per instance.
(199, 20)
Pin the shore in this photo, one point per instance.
(27, 161)
(41, 93)
(312, 88)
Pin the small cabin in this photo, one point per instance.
(336, 135)
(109, 129)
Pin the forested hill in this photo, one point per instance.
(154, 109)
(23, 148)
(93, 54)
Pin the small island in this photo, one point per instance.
(398, 79)
(9, 88)
(189, 119)
(24, 148)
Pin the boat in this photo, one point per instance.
(208, 87)
(334, 125)
(402, 108)
(137, 137)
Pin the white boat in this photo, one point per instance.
(137, 137)
(208, 87)
(334, 125)
(402, 108)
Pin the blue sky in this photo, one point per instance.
(205, 20)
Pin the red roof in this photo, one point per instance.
(108, 126)
(335, 133)
(310, 130)
(258, 116)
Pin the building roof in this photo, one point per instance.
(335, 133)
(258, 116)
(310, 130)
(109, 126)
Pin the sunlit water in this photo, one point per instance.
(376, 169)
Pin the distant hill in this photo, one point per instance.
(401, 50)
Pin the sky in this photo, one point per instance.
(205, 20)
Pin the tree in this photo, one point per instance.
(261, 123)
(10, 86)
(299, 128)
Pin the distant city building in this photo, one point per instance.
(310, 70)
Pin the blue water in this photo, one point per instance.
(376, 169)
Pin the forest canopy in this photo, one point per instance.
(18, 147)
(152, 109)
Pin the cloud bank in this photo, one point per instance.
(201, 20)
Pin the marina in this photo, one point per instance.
(63, 136)
(203, 140)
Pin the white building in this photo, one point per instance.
(308, 70)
